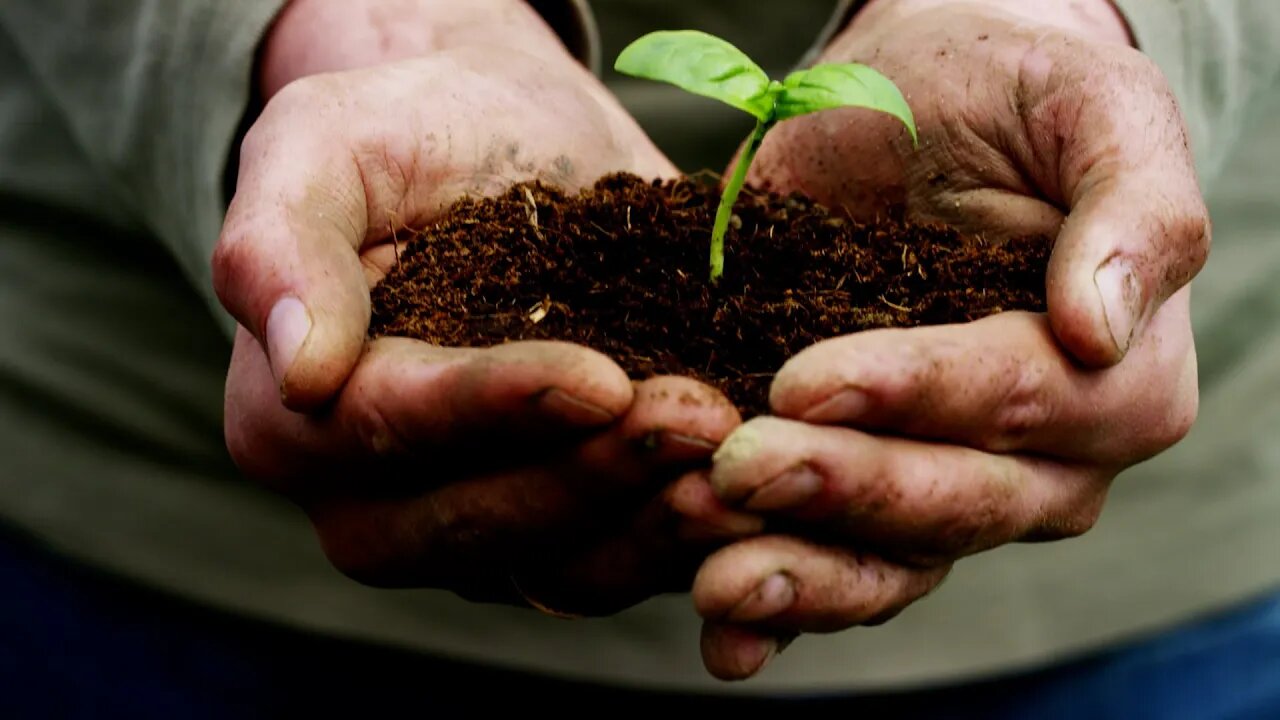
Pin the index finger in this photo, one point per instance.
(1001, 384)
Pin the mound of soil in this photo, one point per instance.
(621, 267)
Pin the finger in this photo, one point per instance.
(1002, 384)
(778, 586)
(1137, 228)
(701, 518)
(737, 652)
(408, 399)
(286, 265)
(673, 425)
(488, 523)
(657, 552)
(917, 502)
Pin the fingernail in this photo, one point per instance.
(791, 489)
(288, 326)
(724, 526)
(844, 406)
(561, 404)
(676, 445)
(1121, 295)
(758, 657)
(773, 596)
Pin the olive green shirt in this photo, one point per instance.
(117, 119)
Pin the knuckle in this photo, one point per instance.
(353, 550)
(960, 532)
(1171, 420)
(1024, 408)
(1182, 414)
(305, 94)
(240, 446)
(229, 264)
(861, 596)
(340, 548)
(1081, 519)
(912, 585)
(357, 567)
(1194, 230)
(880, 492)
(980, 513)
(376, 433)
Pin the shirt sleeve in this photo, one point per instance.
(1220, 57)
(156, 94)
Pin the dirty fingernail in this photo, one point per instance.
(1121, 296)
(288, 326)
(791, 489)
(773, 596)
(844, 406)
(561, 404)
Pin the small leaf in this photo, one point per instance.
(702, 64)
(831, 86)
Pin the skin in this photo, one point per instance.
(529, 472)
(536, 473)
(892, 454)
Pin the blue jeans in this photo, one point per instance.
(74, 644)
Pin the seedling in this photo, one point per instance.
(707, 65)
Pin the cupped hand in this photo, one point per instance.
(1036, 117)
(892, 454)
(524, 473)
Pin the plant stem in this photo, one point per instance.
(730, 196)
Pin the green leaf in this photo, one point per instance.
(831, 86)
(702, 64)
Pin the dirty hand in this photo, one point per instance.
(534, 469)
(891, 454)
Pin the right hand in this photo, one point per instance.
(528, 467)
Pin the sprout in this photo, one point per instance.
(707, 65)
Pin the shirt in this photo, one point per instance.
(117, 120)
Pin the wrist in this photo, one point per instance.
(1099, 20)
(311, 37)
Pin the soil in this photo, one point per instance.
(622, 267)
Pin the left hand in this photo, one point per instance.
(893, 453)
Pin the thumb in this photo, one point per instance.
(287, 265)
(1137, 228)
(1131, 241)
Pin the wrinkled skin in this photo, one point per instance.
(529, 472)
(892, 454)
(539, 469)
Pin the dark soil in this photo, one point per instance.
(622, 268)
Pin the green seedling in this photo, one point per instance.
(707, 65)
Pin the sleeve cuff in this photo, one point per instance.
(575, 23)
(840, 19)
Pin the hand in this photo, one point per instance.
(894, 453)
(532, 469)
